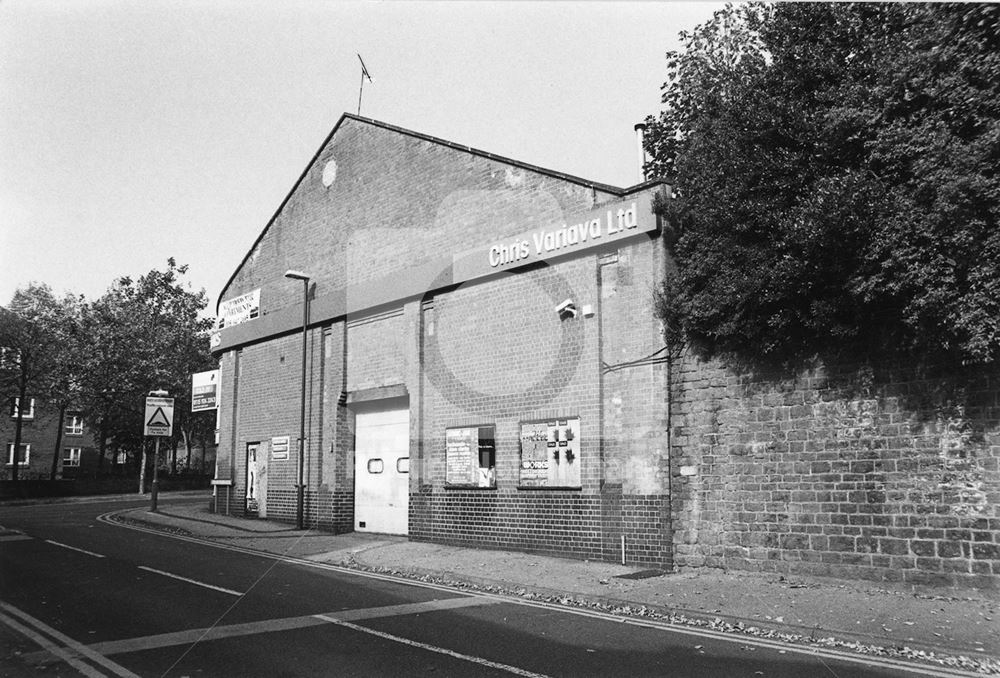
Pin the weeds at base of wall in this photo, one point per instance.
(989, 666)
(179, 531)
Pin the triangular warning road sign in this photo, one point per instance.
(159, 419)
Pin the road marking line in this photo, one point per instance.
(14, 537)
(75, 648)
(193, 636)
(434, 648)
(407, 608)
(73, 548)
(273, 625)
(807, 650)
(191, 581)
(50, 648)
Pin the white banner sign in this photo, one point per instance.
(240, 309)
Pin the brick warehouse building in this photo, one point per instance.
(472, 327)
(448, 398)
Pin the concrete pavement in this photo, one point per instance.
(953, 628)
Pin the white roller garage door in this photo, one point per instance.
(382, 470)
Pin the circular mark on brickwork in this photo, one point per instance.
(543, 390)
(329, 173)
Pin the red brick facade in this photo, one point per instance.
(41, 432)
(487, 351)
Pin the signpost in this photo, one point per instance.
(159, 420)
(205, 391)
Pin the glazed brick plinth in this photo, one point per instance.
(550, 522)
(329, 511)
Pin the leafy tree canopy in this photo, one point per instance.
(835, 170)
(145, 334)
(38, 334)
(39, 342)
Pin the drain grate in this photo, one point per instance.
(641, 574)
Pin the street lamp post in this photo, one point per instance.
(299, 275)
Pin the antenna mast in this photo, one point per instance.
(364, 74)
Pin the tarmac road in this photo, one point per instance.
(79, 596)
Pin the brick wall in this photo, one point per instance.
(634, 407)
(884, 475)
(398, 200)
(263, 395)
(493, 351)
(497, 353)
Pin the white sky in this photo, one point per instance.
(132, 132)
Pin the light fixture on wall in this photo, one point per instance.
(566, 310)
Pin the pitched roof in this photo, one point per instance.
(604, 188)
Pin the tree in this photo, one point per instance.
(37, 335)
(64, 389)
(835, 169)
(146, 335)
(190, 354)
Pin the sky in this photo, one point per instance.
(131, 132)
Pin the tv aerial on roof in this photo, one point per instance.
(364, 74)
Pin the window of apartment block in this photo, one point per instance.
(74, 424)
(470, 456)
(71, 456)
(23, 457)
(28, 414)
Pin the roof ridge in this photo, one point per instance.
(607, 188)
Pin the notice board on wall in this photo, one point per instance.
(470, 456)
(279, 447)
(550, 453)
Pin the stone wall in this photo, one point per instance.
(875, 474)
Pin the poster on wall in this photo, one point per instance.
(550, 453)
(253, 479)
(470, 457)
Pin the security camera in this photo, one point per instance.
(567, 309)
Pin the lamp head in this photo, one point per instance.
(296, 275)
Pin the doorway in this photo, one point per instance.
(382, 469)
(252, 506)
